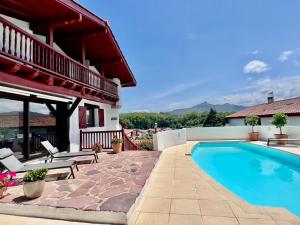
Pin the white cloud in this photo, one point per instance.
(176, 89)
(256, 66)
(284, 56)
(256, 93)
(255, 52)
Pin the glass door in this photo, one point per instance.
(11, 126)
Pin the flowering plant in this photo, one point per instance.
(116, 140)
(97, 147)
(6, 180)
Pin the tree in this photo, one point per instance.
(279, 120)
(252, 121)
(211, 119)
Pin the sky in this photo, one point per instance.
(185, 52)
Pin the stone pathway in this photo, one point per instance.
(111, 185)
(180, 193)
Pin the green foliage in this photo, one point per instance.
(279, 120)
(252, 121)
(147, 120)
(147, 145)
(211, 119)
(117, 141)
(35, 175)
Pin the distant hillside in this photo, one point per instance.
(205, 106)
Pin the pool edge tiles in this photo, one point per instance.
(260, 175)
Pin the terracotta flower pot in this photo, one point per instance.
(33, 189)
(279, 136)
(254, 136)
(117, 148)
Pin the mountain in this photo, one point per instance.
(205, 106)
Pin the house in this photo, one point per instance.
(290, 107)
(59, 57)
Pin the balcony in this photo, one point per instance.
(51, 65)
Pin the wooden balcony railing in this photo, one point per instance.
(89, 138)
(26, 48)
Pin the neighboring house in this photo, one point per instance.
(290, 107)
(59, 54)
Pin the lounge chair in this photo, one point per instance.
(12, 164)
(55, 154)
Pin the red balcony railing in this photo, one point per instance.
(24, 47)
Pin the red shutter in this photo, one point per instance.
(82, 117)
(101, 117)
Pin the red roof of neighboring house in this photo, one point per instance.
(290, 107)
(13, 121)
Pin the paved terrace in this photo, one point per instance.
(102, 192)
(180, 193)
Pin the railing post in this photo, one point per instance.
(80, 142)
(123, 137)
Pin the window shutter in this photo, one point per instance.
(101, 117)
(82, 117)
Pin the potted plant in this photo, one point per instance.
(6, 182)
(116, 144)
(34, 183)
(253, 121)
(97, 148)
(279, 120)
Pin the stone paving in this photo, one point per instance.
(112, 184)
(180, 193)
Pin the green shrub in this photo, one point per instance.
(35, 175)
(146, 145)
(279, 120)
(252, 121)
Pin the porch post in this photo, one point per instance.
(62, 127)
(26, 129)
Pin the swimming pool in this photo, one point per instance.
(260, 175)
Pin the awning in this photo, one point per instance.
(29, 93)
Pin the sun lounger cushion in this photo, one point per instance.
(8, 160)
(47, 145)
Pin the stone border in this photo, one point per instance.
(68, 214)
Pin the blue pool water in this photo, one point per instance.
(260, 175)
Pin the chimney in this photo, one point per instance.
(270, 97)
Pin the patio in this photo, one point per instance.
(180, 193)
(103, 192)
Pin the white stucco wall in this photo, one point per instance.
(265, 121)
(165, 139)
(109, 124)
(237, 122)
(170, 138)
(215, 133)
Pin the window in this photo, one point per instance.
(87, 116)
(90, 115)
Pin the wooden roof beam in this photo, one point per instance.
(43, 25)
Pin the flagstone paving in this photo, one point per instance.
(112, 184)
(180, 193)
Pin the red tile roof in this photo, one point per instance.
(290, 107)
(13, 121)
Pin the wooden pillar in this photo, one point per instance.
(62, 127)
(83, 52)
(50, 36)
(26, 129)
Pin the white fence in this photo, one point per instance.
(170, 138)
